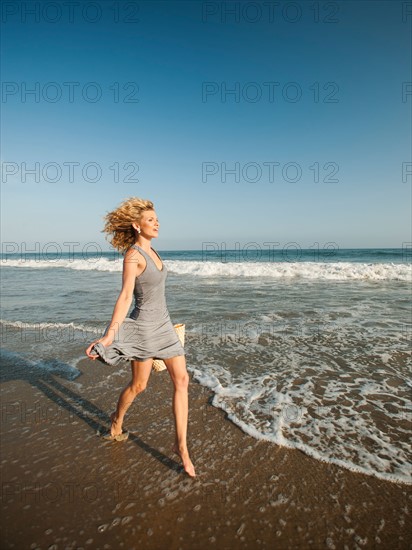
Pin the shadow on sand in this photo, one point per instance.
(43, 375)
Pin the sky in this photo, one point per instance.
(242, 121)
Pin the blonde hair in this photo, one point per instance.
(119, 222)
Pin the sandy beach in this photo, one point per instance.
(64, 487)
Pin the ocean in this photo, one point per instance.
(308, 349)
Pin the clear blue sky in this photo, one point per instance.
(167, 51)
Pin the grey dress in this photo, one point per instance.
(148, 331)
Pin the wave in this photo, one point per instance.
(100, 264)
(296, 270)
(22, 325)
(298, 418)
(276, 270)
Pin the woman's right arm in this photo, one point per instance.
(131, 269)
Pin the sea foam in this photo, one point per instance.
(333, 271)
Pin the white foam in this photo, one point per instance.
(336, 271)
(295, 270)
(40, 325)
(91, 264)
(340, 424)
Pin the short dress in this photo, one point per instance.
(148, 331)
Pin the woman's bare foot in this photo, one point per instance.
(187, 463)
(115, 429)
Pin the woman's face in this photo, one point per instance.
(149, 224)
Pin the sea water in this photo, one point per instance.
(309, 350)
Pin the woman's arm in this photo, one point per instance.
(132, 268)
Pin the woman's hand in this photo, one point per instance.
(105, 341)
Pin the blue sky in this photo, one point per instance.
(348, 122)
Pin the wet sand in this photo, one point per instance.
(63, 487)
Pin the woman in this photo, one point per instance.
(147, 332)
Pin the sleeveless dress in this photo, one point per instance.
(148, 331)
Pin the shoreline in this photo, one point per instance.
(63, 485)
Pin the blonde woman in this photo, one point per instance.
(147, 332)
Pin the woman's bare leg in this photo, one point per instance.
(141, 371)
(180, 378)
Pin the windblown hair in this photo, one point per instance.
(119, 222)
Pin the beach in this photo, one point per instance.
(299, 406)
(64, 487)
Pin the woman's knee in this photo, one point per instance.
(181, 381)
(137, 387)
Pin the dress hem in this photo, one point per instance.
(125, 358)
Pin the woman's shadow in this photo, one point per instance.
(44, 375)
